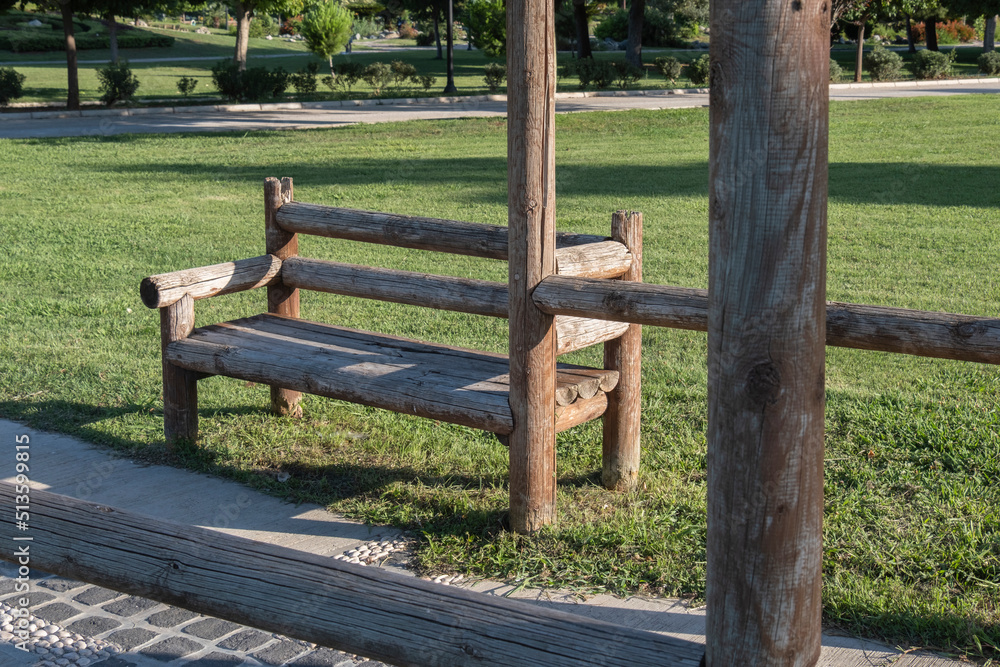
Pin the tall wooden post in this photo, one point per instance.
(766, 330)
(180, 386)
(624, 354)
(281, 300)
(531, 219)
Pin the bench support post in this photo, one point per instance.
(531, 258)
(281, 299)
(180, 386)
(624, 354)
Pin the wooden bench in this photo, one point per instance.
(441, 382)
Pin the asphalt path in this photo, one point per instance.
(207, 119)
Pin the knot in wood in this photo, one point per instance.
(967, 330)
(617, 301)
(764, 384)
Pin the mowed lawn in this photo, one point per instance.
(912, 525)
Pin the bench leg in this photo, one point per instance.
(180, 386)
(285, 402)
(621, 419)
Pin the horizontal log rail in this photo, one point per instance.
(880, 328)
(410, 231)
(463, 295)
(362, 610)
(167, 288)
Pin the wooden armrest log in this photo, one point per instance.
(607, 259)
(879, 328)
(410, 231)
(463, 295)
(166, 288)
(366, 610)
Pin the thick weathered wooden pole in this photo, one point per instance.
(281, 299)
(624, 354)
(766, 328)
(531, 256)
(180, 386)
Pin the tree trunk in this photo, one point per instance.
(930, 29)
(72, 75)
(989, 34)
(244, 13)
(766, 331)
(633, 52)
(112, 36)
(861, 51)
(582, 29)
(909, 35)
(437, 34)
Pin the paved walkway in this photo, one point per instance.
(293, 116)
(134, 632)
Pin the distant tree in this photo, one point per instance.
(487, 20)
(973, 9)
(327, 29)
(244, 11)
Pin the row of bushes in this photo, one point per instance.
(659, 28)
(257, 84)
(22, 41)
(885, 65)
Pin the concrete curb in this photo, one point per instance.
(468, 99)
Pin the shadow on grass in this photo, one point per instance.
(877, 183)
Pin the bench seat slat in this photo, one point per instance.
(452, 384)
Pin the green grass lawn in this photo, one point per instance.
(912, 520)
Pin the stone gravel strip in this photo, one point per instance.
(74, 624)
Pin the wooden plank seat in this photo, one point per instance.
(451, 384)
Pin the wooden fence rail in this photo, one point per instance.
(365, 610)
(880, 328)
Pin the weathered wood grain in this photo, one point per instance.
(180, 385)
(464, 295)
(361, 610)
(166, 288)
(412, 377)
(608, 259)
(577, 333)
(880, 328)
(408, 231)
(580, 411)
(281, 298)
(531, 257)
(766, 330)
(620, 444)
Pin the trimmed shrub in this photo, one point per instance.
(304, 81)
(882, 64)
(836, 71)
(626, 74)
(989, 63)
(261, 25)
(495, 74)
(932, 64)
(11, 85)
(378, 76)
(252, 85)
(700, 70)
(186, 85)
(426, 39)
(349, 74)
(24, 41)
(402, 72)
(599, 73)
(117, 83)
(669, 67)
(425, 80)
(407, 32)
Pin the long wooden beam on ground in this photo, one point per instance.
(363, 610)
(879, 328)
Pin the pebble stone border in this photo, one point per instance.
(74, 624)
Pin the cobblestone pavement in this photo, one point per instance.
(88, 626)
